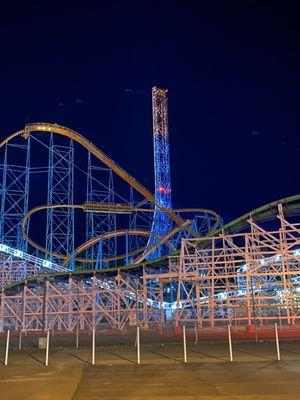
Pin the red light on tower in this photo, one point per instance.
(163, 190)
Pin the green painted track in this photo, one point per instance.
(291, 207)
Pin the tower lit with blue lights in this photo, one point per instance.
(162, 224)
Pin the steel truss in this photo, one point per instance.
(162, 224)
(247, 278)
(100, 189)
(16, 266)
(63, 306)
(60, 222)
(244, 278)
(59, 231)
(14, 193)
(12, 270)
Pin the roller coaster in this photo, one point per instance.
(84, 244)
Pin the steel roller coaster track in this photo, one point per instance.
(77, 137)
(268, 211)
(108, 235)
(219, 273)
(291, 206)
(180, 223)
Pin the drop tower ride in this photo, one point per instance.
(162, 223)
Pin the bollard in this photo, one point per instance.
(7, 347)
(77, 337)
(138, 350)
(20, 340)
(184, 344)
(230, 344)
(277, 342)
(93, 345)
(47, 349)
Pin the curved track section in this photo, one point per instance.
(112, 208)
(291, 206)
(174, 215)
(77, 137)
(95, 240)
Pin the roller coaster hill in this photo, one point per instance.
(139, 261)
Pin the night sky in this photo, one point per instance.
(231, 67)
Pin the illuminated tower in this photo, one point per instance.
(162, 223)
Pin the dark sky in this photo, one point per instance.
(231, 67)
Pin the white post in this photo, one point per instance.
(277, 342)
(20, 340)
(184, 344)
(7, 347)
(138, 345)
(47, 349)
(93, 345)
(77, 337)
(230, 344)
